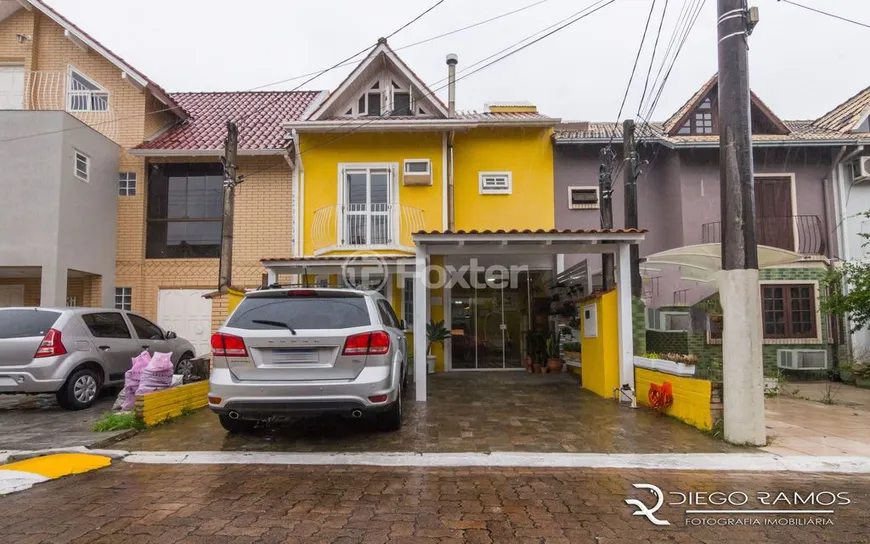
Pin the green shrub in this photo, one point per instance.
(118, 421)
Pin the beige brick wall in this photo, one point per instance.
(32, 288)
(20, 22)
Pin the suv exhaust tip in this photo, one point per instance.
(233, 415)
(356, 414)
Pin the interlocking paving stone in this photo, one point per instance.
(268, 503)
(466, 412)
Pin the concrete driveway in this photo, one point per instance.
(32, 422)
(466, 412)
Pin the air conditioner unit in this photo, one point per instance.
(860, 168)
(802, 359)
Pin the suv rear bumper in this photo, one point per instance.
(258, 400)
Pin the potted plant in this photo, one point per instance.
(436, 332)
(554, 363)
(861, 371)
(846, 375)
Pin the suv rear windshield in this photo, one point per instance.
(26, 323)
(302, 312)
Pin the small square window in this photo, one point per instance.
(583, 198)
(495, 183)
(418, 166)
(124, 298)
(82, 166)
(127, 184)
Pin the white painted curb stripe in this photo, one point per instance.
(754, 462)
(15, 480)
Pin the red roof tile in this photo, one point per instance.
(261, 114)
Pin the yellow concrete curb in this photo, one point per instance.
(59, 464)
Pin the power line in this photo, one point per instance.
(653, 57)
(633, 68)
(835, 16)
(300, 76)
(339, 63)
(589, 10)
(681, 20)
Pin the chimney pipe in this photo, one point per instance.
(452, 61)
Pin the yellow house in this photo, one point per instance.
(381, 158)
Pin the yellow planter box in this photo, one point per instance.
(155, 408)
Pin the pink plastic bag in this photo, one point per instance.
(157, 376)
(132, 378)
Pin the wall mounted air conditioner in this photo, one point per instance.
(860, 170)
(802, 359)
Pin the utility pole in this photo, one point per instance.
(630, 150)
(743, 389)
(605, 191)
(231, 149)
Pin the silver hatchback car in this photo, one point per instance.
(75, 352)
(291, 352)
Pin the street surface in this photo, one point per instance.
(213, 504)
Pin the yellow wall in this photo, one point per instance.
(322, 154)
(691, 396)
(528, 155)
(600, 370)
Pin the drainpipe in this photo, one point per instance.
(837, 171)
(452, 61)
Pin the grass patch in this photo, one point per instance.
(118, 421)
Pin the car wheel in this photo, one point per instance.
(80, 390)
(391, 420)
(185, 366)
(236, 426)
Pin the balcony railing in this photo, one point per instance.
(365, 226)
(781, 232)
(52, 90)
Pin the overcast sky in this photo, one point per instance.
(802, 63)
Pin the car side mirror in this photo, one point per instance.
(402, 324)
(171, 335)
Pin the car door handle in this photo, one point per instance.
(104, 348)
(146, 346)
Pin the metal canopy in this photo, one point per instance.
(701, 262)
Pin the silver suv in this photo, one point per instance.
(291, 352)
(75, 352)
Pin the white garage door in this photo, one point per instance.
(11, 295)
(11, 87)
(185, 312)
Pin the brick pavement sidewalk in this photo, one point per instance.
(267, 503)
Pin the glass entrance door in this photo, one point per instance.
(488, 325)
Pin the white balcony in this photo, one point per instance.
(60, 91)
(365, 226)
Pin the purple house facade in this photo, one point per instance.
(679, 203)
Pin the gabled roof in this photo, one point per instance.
(381, 55)
(673, 124)
(136, 77)
(849, 115)
(260, 129)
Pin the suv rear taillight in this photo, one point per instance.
(367, 343)
(51, 345)
(228, 345)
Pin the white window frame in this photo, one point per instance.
(497, 190)
(127, 188)
(392, 203)
(572, 206)
(428, 171)
(90, 94)
(87, 161)
(126, 298)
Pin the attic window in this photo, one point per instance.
(402, 103)
(85, 95)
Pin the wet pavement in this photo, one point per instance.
(315, 504)
(33, 422)
(466, 412)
